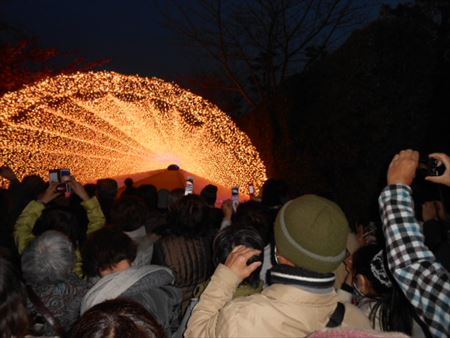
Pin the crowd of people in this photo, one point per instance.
(146, 263)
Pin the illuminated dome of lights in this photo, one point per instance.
(104, 124)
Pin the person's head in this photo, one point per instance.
(163, 199)
(91, 189)
(129, 182)
(106, 250)
(62, 219)
(129, 213)
(149, 194)
(274, 192)
(256, 215)
(311, 233)
(174, 196)
(188, 216)
(209, 193)
(13, 311)
(372, 280)
(33, 186)
(107, 188)
(117, 318)
(49, 258)
(370, 272)
(232, 236)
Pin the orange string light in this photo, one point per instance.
(104, 124)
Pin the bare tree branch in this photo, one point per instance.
(258, 43)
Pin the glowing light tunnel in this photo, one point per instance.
(104, 124)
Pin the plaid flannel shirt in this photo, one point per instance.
(425, 282)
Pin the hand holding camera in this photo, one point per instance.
(238, 261)
(403, 166)
(63, 182)
(442, 159)
(78, 189)
(50, 194)
(61, 176)
(235, 197)
(227, 209)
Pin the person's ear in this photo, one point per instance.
(283, 260)
(363, 284)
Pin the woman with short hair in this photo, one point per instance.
(48, 268)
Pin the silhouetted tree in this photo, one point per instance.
(339, 122)
(258, 44)
(23, 61)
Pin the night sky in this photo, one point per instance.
(131, 33)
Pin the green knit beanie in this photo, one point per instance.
(311, 231)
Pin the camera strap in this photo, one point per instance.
(45, 312)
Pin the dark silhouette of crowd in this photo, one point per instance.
(102, 261)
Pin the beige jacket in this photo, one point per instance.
(279, 311)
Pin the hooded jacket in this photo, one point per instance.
(150, 285)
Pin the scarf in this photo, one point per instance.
(113, 285)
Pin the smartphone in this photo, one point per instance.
(189, 188)
(235, 197)
(64, 177)
(251, 190)
(53, 176)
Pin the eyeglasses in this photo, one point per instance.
(275, 253)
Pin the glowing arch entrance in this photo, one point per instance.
(104, 124)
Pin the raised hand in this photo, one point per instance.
(78, 189)
(443, 159)
(402, 169)
(50, 194)
(237, 261)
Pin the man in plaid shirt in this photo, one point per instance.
(425, 282)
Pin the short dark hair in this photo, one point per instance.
(188, 216)
(274, 192)
(209, 193)
(14, 319)
(129, 182)
(118, 318)
(105, 248)
(256, 215)
(232, 236)
(107, 188)
(32, 186)
(149, 194)
(91, 189)
(129, 213)
(59, 218)
(174, 196)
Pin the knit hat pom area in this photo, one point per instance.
(311, 231)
